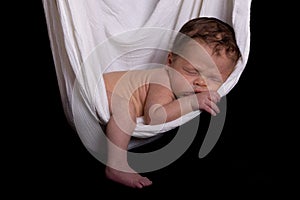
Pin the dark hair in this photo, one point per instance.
(215, 33)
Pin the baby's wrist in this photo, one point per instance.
(188, 103)
(194, 102)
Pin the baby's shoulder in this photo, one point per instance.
(160, 76)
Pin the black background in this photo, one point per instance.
(51, 159)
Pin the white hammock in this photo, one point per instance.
(90, 37)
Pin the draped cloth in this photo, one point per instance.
(91, 37)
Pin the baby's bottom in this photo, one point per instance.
(119, 130)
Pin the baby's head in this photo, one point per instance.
(215, 36)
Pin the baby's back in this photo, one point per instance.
(132, 86)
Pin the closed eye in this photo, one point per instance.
(216, 79)
(191, 71)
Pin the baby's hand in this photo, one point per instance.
(207, 100)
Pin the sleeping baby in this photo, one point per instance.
(203, 56)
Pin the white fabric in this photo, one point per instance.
(90, 37)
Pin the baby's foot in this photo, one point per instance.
(133, 179)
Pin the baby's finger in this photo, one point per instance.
(214, 97)
(208, 108)
(212, 108)
(215, 108)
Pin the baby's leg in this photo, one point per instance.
(118, 168)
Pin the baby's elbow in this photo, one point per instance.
(156, 115)
(153, 120)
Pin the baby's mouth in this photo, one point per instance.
(200, 89)
(189, 93)
(183, 94)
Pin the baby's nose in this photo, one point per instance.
(199, 82)
(200, 85)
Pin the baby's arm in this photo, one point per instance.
(161, 105)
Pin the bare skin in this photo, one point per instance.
(190, 88)
(118, 160)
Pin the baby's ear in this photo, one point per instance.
(169, 59)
